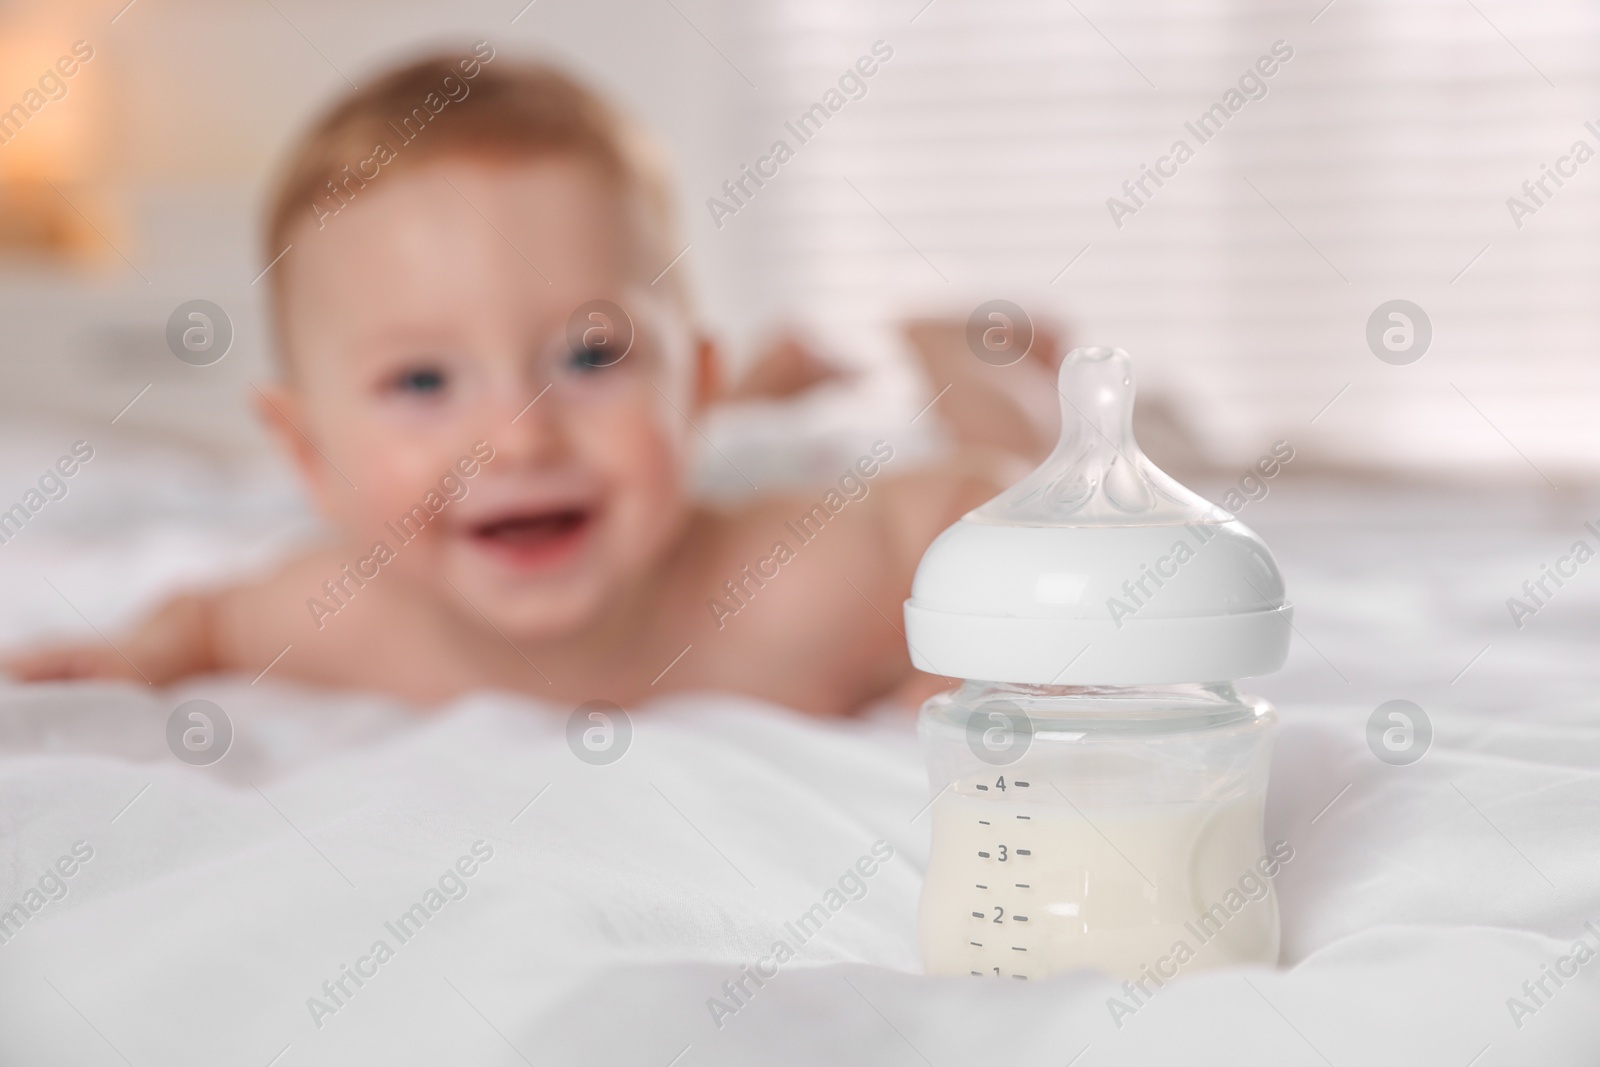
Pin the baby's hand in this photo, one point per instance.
(173, 643)
(69, 663)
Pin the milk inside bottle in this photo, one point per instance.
(1098, 783)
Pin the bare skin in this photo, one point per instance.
(570, 563)
(402, 637)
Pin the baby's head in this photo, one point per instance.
(476, 248)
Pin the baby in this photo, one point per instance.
(492, 380)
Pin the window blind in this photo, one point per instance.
(1375, 162)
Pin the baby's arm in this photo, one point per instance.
(232, 628)
(173, 643)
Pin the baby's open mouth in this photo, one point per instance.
(534, 538)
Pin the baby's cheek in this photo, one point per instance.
(388, 504)
(396, 495)
(372, 472)
(644, 462)
(637, 442)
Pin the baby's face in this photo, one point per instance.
(432, 313)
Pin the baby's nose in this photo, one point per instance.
(529, 427)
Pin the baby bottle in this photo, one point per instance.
(1098, 783)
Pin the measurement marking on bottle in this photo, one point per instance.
(981, 886)
(984, 788)
(1020, 885)
(975, 944)
(1019, 918)
(977, 915)
(1024, 851)
(1020, 785)
(983, 855)
(1020, 977)
(983, 822)
(977, 974)
(1024, 816)
(1018, 948)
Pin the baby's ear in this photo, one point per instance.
(279, 410)
(710, 385)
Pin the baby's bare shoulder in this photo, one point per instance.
(883, 522)
(313, 608)
(816, 521)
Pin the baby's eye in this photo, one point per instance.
(421, 381)
(590, 358)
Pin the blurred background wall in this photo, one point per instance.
(1375, 163)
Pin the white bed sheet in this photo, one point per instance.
(218, 900)
(618, 903)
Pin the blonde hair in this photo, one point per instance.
(462, 104)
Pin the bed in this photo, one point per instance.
(538, 908)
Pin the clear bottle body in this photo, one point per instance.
(1118, 828)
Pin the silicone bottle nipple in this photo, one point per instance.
(1097, 475)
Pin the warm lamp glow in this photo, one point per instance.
(50, 123)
